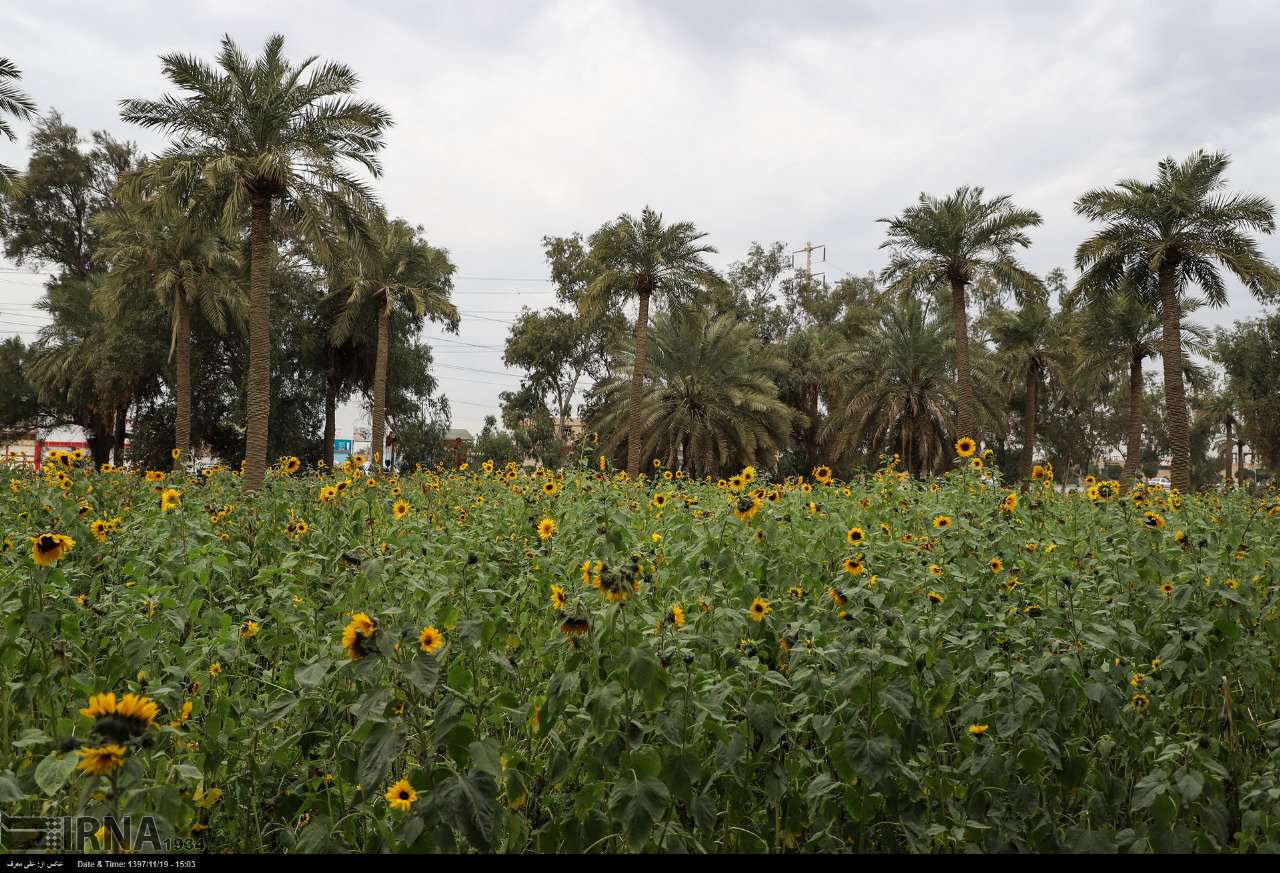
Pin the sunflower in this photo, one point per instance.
(855, 536)
(675, 615)
(935, 597)
(487, 466)
(249, 629)
(746, 507)
(170, 499)
(357, 636)
(942, 522)
(328, 493)
(822, 475)
(978, 729)
(1153, 519)
(558, 598)
(975, 463)
(1167, 589)
(546, 529)
(155, 476)
(935, 570)
(50, 548)
(1140, 702)
(101, 760)
(400, 509)
(574, 627)
(759, 609)
(737, 483)
(401, 796)
(430, 640)
(659, 500)
(1010, 502)
(1033, 610)
(996, 565)
(550, 487)
(965, 447)
(100, 529)
(796, 592)
(120, 720)
(853, 566)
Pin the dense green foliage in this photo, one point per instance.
(1061, 673)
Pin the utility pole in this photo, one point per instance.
(809, 249)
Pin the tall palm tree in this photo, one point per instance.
(642, 258)
(396, 267)
(265, 134)
(1032, 342)
(176, 251)
(710, 402)
(1122, 331)
(15, 103)
(1162, 237)
(955, 243)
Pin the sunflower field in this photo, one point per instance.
(485, 659)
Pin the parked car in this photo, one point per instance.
(1162, 481)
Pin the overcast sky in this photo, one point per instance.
(758, 121)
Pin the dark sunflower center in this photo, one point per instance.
(47, 543)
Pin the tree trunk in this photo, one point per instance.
(1029, 421)
(966, 420)
(634, 436)
(1230, 447)
(1175, 398)
(101, 437)
(182, 367)
(121, 434)
(1133, 448)
(258, 402)
(330, 411)
(379, 412)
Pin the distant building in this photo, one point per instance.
(458, 442)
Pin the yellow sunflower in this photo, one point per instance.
(101, 760)
(430, 640)
(965, 447)
(942, 522)
(856, 536)
(48, 549)
(546, 529)
(400, 509)
(759, 609)
(558, 598)
(401, 796)
(170, 499)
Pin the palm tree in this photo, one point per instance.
(265, 133)
(1122, 331)
(396, 267)
(642, 258)
(896, 393)
(12, 102)
(1032, 342)
(711, 399)
(176, 251)
(1164, 236)
(956, 243)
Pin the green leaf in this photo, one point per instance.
(53, 771)
(379, 749)
(313, 675)
(472, 803)
(638, 804)
(423, 672)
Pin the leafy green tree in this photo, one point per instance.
(1250, 355)
(264, 135)
(495, 444)
(555, 348)
(896, 393)
(397, 268)
(1164, 237)
(1032, 342)
(176, 251)
(956, 243)
(1121, 332)
(19, 408)
(643, 258)
(15, 103)
(711, 401)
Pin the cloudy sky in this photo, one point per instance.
(758, 121)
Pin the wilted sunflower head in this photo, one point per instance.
(48, 549)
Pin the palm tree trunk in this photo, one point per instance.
(1133, 447)
(1230, 447)
(121, 434)
(1175, 398)
(330, 412)
(966, 424)
(379, 423)
(182, 366)
(1029, 421)
(258, 402)
(637, 386)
